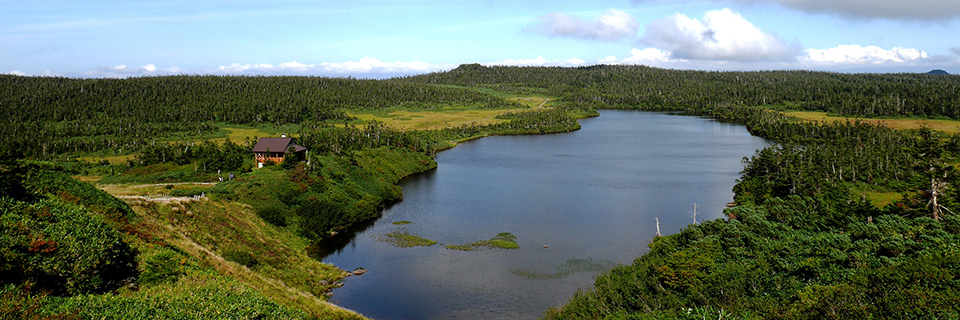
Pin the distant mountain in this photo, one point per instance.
(937, 72)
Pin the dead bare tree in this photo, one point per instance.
(658, 225)
(937, 187)
(694, 212)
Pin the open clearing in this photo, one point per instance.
(419, 119)
(149, 189)
(433, 119)
(533, 102)
(117, 159)
(882, 199)
(239, 133)
(949, 126)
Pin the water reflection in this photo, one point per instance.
(337, 243)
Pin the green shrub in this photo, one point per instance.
(61, 248)
(163, 266)
(242, 257)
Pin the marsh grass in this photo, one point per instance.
(504, 240)
(948, 126)
(239, 133)
(568, 268)
(450, 115)
(882, 199)
(403, 239)
(405, 119)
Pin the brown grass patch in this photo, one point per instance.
(121, 159)
(533, 102)
(433, 119)
(948, 126)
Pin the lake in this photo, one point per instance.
(578, 203)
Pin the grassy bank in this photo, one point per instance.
(75, 251)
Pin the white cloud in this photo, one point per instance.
(365, 67)
(845, 58)
(884, 9)
(722, 35)
(124, 71)
(609, 60)
(612, 25)
(648, 55)
(16, 73)
(911, 10)
(858, 55)
(539, 61)
(955, 51)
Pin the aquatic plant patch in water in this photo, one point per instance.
(504, 240)
(403, 239)
(570, 267)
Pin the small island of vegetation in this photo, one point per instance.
(503, 240)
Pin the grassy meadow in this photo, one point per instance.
(943, 125)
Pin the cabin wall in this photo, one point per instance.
(262, 157)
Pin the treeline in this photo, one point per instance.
(812, 156)
(42, 116)
(207, 155)
(559, 119)
(343, 141)
(325, 139)
(865, 95)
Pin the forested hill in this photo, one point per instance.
(864, 95)
(41, 116)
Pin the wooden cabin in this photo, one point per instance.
(274, 149)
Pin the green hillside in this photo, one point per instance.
(806, 239)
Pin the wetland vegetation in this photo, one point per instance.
(403, 239)
(808, 237)
(503, 240)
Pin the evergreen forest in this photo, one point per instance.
(847, 219)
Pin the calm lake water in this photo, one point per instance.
(591, 196)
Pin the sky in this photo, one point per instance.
(386, 38)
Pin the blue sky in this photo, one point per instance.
(375, 39)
